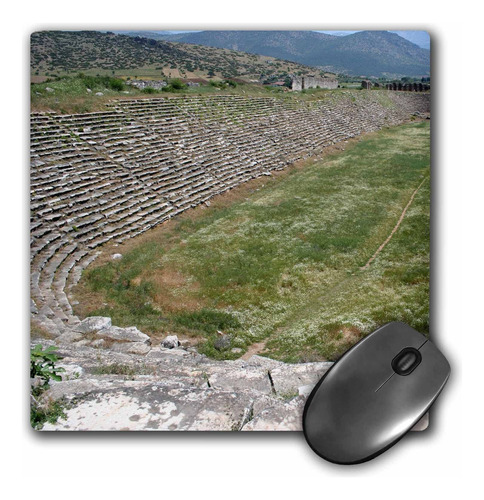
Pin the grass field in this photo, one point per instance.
(280, 265)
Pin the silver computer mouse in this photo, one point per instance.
(374, 394)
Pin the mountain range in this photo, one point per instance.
(362, 53)
(418, 37)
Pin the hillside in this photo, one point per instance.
(368, 53)
(291, 45)
(92, 52)
(418, 37)
(375, 53)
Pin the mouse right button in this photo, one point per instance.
(435, 362)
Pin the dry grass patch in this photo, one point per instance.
(176, 292)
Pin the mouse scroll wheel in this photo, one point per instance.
(405, 362)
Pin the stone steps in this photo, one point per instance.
(178, 389)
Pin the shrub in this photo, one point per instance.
(42, 368)
(177, 84)
(116, 84)
(219, 85)
(50, 413)
(109, 82)
(42, 364)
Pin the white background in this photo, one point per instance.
(443, 462)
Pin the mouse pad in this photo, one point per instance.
(217, 216)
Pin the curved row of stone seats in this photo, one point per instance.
(289, 118)
(83, 206)
(149, 154)
(108, 176)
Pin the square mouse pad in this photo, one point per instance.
(217, 216)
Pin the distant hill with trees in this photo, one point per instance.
(55, 53)
(366, 53)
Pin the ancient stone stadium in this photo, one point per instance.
(108, 176)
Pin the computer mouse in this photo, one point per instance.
(374, 394)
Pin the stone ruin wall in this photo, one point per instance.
(312, 82)
(109, 176)
(408, 87)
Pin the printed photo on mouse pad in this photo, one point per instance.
(216, 217)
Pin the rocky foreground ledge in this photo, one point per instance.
(116, 380)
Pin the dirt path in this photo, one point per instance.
(256, 348)
(394, 230)
(259, 347)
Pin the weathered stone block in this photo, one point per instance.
(129, 334)
(282, 416)
(287, 379)
(170, 342)
(93, 324)
(132, 347)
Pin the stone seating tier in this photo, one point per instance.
(111, 175)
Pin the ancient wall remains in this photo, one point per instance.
(408, 87)
(143, 84)
(312, 82)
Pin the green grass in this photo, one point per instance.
(50, 413)
(207, 320)
(283, 266)
(115, 369)
(71, 94)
